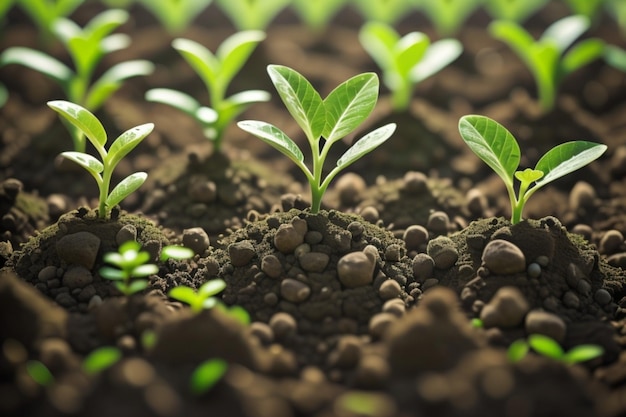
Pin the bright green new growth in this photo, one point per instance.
(447, 15)
(85, 122)
(207, 374)
(203, 299)
(216, 71)
(39, 373)
(317, 14)
(45, 12)
(252, 14)
(406, 61)
(515, 10)
(384, 11)
(548, 347)
(332, 118)
(497, 147)
(86, 46)
(101, 359)
(554, 55)
(175, 15)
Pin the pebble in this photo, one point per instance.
(287, 238)
(314, 261)
(438, 222)
(584, 230)
(506, 309)
(127, 233)
(262, 331)
(476, 202)
(573, 275)
(570, 299)
(356, 229)
(64, 299)
(389, 289)
(430, 283)
(270, 299)
(355, 269)
(196, 239)
(282, 325)
(602, 297)
(79, 248)
(47, 273)
(77, 277)
(443, 252)
(347, 353)
(423, 266)
(201, 190)
(582, 196)
(534, 270)
(415, 182)
(549, 324)
(502, 257)
(611, 242)
(379, 323)
(584, 287)
(350, 188)
(271, 266)
(415, 237)
(394, 252)
(394, 306)
(94, 302)
(370, 214)
(241, 253)
(294, 290)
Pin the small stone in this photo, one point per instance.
(283, 325)
(543, 261)
(47, 273)
(602, 297)
(314, 261)
(573, 275)
(347, 353)
(80, 248)
(506, 309)
(270, 299)
(262, 331)
(430, 283)
(584, 230)
(611, 242)
(571, 300)
(271, 266)
(287, 238)
(476, 202)
(201, 190)
(64, 299)
(77, 277)
(394, 306)
(86, 293)
(379, 323)
(94, 302)
(415, 182)
(356, 229)
(581, 197)
(443, 252)
(241, 253)
(355, 269)
(196, 239)
(389, 289)
(423, 266)
(394, 253)
(415, 237)
(350, 188)
(548, 324)
(294, 290)
(127, 233)
(438, 222)
(370, 214)
(502, 257)
(534, 270)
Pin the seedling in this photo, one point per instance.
(101, 359)
(206, 375)
(85, 122)
(39, 373)
(345, 108)
(447, 15)
(587, 8)
(317, 14)
(216, 71)
(548, 347)
(252, 14)
(497, 147)
(406, 61)
(383, 11)
(203, 299)
(87, 47)
(175, 15)
(554, 55)
(515, 10)
(45, 12)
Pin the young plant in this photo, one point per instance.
(447, 16)
(101, 359)
(514, 10)
(587, 8)
(384, 11)
(130, 265)
(406, 61)
(206, 375)
(87, 47)
(252, 14)
(216, 71)
(175, 15)
(45, 12)
(203, 299)
(85, 122)
(552, 57)
(548, 347)
(317, 14)
(492, 143)
(332, 118)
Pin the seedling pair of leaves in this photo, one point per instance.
(45, 12)
(447, 15)
(383, 11)
(407, 60)
(548, 347)
(323, 121)
(175, 15)
(514, 10)
(499, 149)
(216, 71)
(252, 14)
(86, 46)
(554, 55)
(317, 14)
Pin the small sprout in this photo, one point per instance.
(237, 312)
(101, 359)
(383, 11)
(317, 14)
(148, 339)
(216, 71)
(45, 12)
(39, 373)
(554, 55)
(332, 118)
(207, 375)
(515, 10)
(517, 350)
(252, 14)
(203, 299)
(87, 47)
(477, 323)
(175, 15)
(447, 15)
(497, 147)
(548, 347)
(130, 263)
(83, 120)
(407, 60)
(175, 252)
(363, 403)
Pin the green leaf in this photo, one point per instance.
(439, 55)
(514, 35)
(366, 144)
(126, 142)
(184, 294)
(582, 353)
(410, 50)
(112, 79)
(492, 143)
(101, 359)
(37, 61)
(240, 314)
(379, 40)
(566, 158)
(65, 29)
(207, 375)
(582, 54)
(275, 137)
(349, 104)
(565, 31)
(104, 23)
(517, 350)
(303, 102)
(179, 100)
(39, 373)
(212, 287)
(176, 252)
(203, 62)
(234, 52)
(83, 119)
(144, 270)
(135, 286)
(114, 43)
(113, 274)
(616, 57)
(87, 161)
(528, 175)
(546, 346)
(125, 188)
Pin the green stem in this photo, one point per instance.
(401, 97)
(104, 191)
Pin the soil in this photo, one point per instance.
(363, 309)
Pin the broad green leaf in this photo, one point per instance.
(135, 286)
(145, 270)
(513, 35)
(39, 373)
(112, 79)
(516, 10)
(366, 144)
(439, 55)
(105, 23)
(212, 287)
(517, 350)
(37, 61)
(349, 104)
(126, 142)
(234, 52)
(582, 54)
(566, 158)
(252, 15)
(101, 359)
(545, 346)
(86, 54)
(379, 39)
(184, 294)
(410, 50)
(207, 375)
(565, 31)
(303, 102)
(87, 161)
(176, 252)
(275, 137)
(125, 188)
(582, 353)
(114, 43)
(317, 14)
(65, 29)
(176, 99)
(83, 119)
(113, 274)
(203, 62)
(492, 143)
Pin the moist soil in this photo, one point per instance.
(366, 308)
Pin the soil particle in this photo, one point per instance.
(294, 291)
(443, 252)
(288, 238)
(196, 239)
(423, 266)
(543, 322)
(241, 252)
(503, 258)
(506, 309)
(77, 277)
(355, 269)
(415, 237)
(80, 248)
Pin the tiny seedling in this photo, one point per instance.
(317, 14)
(203, 299)
(405, 61)
(548, 347)
(101, 359)
(175, 15)
(39, 373)
(552, 57)
(252, 14)
(207, 375)
(45, 12)
(87, 47)
(216, 71)
(447, 16)
(587, 8)
(515, 10)
(383, 11)
(497, 147)
(85, 122)
(332, 118)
